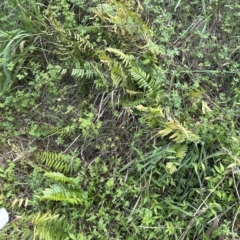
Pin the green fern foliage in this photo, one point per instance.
(124, 20)
(60, 192)
(81, 41)
(116, 68)
(69, 40)
(55, 161)
(178, 132)
(50, 227)
(181, 150)
(83, 73)
(47, 130)
(59, 177)
(86, 71)
(142, 78)
(117, 73)
(125, 58)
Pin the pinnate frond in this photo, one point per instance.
(56, 161)
(50, 226)
(60, 192)
(126, 59)
(178, 132)
(181, 151)
(59, 177)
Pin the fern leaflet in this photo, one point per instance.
(59, 177)
(56, 161)
(59, 192)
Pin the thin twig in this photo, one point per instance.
(72, 143)
(204, 201)
(235, 185)
(234, 220)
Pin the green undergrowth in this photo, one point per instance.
(120, 119)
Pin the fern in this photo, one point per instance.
(56, 161)
(69, 39)
(82, 41)
(125, 21)
(47, 130)
(178, 132)
(50, 227)
(126, 59)
(38, 226)
(117, 73)
(141, 77)
(154, 111)
(60, 192)
(101, 81)
(68, 45)
(104, 58)
(171, 167)
(133, 103)
(78, 72)
(59, 177)
(116, 68)
(83, 73)
(181, 150)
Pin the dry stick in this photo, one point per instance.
(126, 177)
(234, 220)
(198, 212)
(72, 143)
(221, 214)
(147, 227)
(235, 185)
(134, 208)
(100, 111)
(182, 237)
(43, 52)
(204, 201)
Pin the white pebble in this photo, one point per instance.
(4, 217)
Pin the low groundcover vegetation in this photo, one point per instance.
(120, 119)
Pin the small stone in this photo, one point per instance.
(4, 217)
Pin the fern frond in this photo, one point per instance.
(171, 167)
(104, 58)
(70, 40)
(165, 131)
(86, 71)
(122, 17)
(59, 177)
(39, 226)
(82, 41)
(59, 192)
(83, 73)
(101, 81)
(50, 227)
(126, 59)
(133, 103)
(116, 68)
(117, 73)
(179, 132)
(181, 151)
(156, 111)
(47, 130)
(141, 78)
(56, 161)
